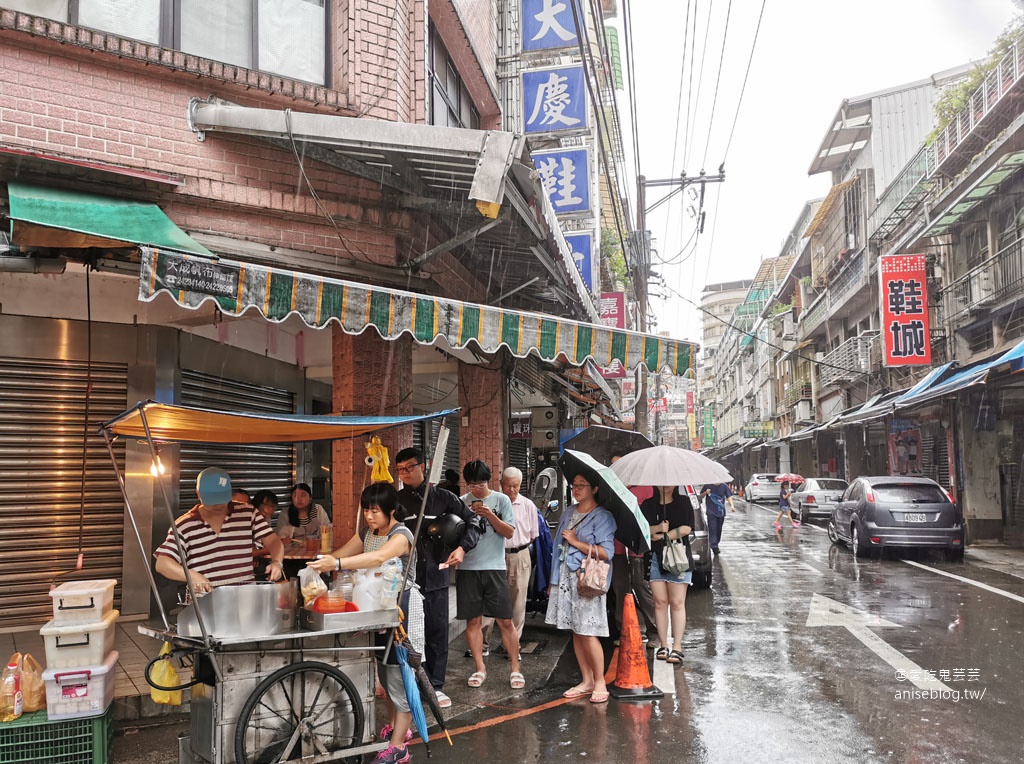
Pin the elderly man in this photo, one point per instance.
(218, 536)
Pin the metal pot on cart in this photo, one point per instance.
(274, 682)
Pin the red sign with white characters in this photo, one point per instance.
(904, 292)
(613, 314)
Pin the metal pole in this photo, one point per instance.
(135, 526)
(207, 642)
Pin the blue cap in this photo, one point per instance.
(213, 486)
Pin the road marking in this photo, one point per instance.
(812, 569)
(980, 585)
(827, 612)
(664, 675)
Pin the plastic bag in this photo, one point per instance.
(33, 688)
(311, 585)
(165, 675)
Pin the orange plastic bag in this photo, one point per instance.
(33, 688)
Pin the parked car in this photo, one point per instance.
(700, 547)
(762, 486)
(817, 496)
(895, 511)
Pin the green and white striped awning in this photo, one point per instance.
(277, 294)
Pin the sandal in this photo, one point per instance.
(576, 692)
(674, 657)
(516, 680)
(476, 678)
(661, 654)
(599, 697)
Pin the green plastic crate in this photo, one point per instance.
(34, 739)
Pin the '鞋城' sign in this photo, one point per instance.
(904, 294)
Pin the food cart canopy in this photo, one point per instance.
(186, 424)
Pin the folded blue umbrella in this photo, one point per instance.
(412, 695)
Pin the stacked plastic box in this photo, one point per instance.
(80, 657)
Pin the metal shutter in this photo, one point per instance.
(252, 467)
(42, 413)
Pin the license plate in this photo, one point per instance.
(915, 517)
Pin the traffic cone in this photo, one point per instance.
(632, 677)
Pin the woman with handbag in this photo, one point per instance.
(580, 576)
(671, 518)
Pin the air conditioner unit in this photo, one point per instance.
(982, 288)
(544, 437)
(803, 411)
(788, 326)
(544, 417)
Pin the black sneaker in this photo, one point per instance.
(469, 653)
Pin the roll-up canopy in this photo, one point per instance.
(237, 287)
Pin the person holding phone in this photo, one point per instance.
(482, 587)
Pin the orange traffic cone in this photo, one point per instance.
(632, 677)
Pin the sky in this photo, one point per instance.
(808, 57)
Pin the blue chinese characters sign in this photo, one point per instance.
(581, 245)
(566, 177)
(549, 24)
(554, 100)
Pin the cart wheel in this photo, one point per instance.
(302, 710)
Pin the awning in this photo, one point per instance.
(185, 424)
(976, 374)
(51, 217)
(834, 195)
(236, 287)
(480, 185)
(909, 397)
(876, 408)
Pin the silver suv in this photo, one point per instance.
(762, 486)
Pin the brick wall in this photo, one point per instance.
(483, 398)
(372, 377)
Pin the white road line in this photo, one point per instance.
(980, 585)
(812, 569)
(664, 677)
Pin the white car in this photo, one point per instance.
(817, 496)
(762, 486)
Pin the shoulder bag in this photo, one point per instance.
(676, 557)
(592, 577)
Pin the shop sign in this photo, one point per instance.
(904, 294)
(549, 24)
(555, 100)
(904, 447)
(629, 387)
(657, 405)
(565, 175)
(613, 314)
(581, 246)
(192, 275)
(709, 424)
(758, 430)
(519, 428)
(691, 415)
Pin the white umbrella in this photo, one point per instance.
(666, 465)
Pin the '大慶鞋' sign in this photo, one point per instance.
(904, 293)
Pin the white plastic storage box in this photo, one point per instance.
(83, 601)
(72, 645)
(74, 693)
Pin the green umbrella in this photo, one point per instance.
(632, 528)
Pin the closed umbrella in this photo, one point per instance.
(632, 528)
(667, 465)
(428, 693)
(601, 442)
(412, 694)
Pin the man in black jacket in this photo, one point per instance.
(433, 583)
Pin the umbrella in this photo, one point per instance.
(412, 694)
(666, 465)
(428, 692)
(632, 528)
(789, 477)
(601, 442)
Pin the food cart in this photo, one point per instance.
(274, 682)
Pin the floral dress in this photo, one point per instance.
(586, 616)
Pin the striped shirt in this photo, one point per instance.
(225, 557)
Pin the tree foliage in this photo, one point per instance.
(613, 256)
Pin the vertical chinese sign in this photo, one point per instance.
(691, 419)
(709, 424)
(549, 24)
(904, 294)
(555, 100)
(582, 247)
(613, 313)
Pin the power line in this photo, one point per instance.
(743, 89)
(718, 80)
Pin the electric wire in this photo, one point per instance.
(746, 75)
(718, 80)
(700, 77)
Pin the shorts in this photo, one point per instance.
(657, 574)
(483, 593)
(391, 679)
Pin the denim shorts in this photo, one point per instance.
(657, 574)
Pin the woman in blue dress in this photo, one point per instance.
(585, 525)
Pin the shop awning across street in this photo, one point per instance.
(237, 287)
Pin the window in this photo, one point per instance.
(284, 37)
(450, 102)
(909, 493)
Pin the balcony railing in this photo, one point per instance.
(855, 358)
(998, 278)
(853, 277)
(902, 196)
(796, 392)
(814, 317)
(997, 84)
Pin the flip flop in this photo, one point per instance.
(516, 680)
(576, 692)
(476, 678)
(599, 697)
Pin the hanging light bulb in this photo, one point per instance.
(156, 467)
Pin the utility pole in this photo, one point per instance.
(642, 264)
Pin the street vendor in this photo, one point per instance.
(218, 537)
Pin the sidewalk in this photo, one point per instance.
(996, 556)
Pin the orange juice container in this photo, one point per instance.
(326, 539)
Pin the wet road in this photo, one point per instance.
(800, 653)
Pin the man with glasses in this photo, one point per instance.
(433, 583)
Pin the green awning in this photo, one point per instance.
(235, 287)
(52, 217)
